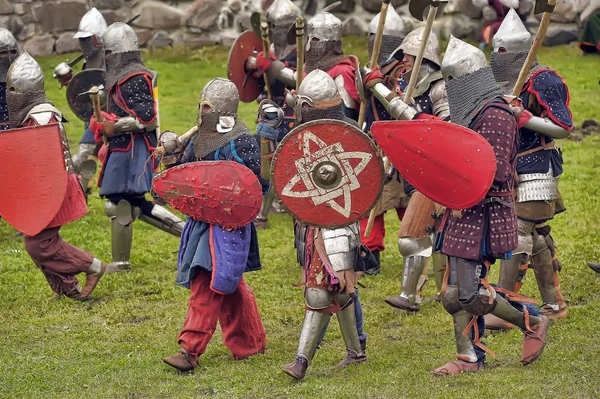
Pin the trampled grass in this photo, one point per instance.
(112, 347)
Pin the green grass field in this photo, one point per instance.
(112, 347)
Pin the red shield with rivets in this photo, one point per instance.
(448, 163)
(224, 193)
(248, 86)
(33, 175)
(327, 173)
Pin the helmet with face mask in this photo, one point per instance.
(90, 33)
(9, 51)
(469, 80)
(24, 88)
(323, 42)
(280, 16)
(393, 34)
(217, 117)
(511, 43)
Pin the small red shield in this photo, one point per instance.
(33, 176)
(224, 193)
(448, 163)
(243, 47)
(327, 173)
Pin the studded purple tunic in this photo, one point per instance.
(489, 229)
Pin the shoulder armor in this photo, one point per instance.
(439, 99)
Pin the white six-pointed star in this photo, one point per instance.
(335, 154)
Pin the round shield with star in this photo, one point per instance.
(327, 173)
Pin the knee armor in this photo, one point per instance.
(317, 298)
(473, 296)
(416, 246)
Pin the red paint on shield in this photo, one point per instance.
(33, 176)
(327, 173)
(448, 163)
(224, 193)
(248, 86)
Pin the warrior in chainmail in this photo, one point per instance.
(545, 97)
(218, 291)
(129, 128)
(58, 260)
(281, 71)
(91, 28)
(393, 34)
(318, 98)
(476, 237)
(9, 51)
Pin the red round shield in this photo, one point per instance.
(243, 47)
(224, 193)
(327, 173)
(448, 163)
(33, 176)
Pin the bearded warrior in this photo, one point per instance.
(393, 196)
(545, 98)
(9, 51)
(58, 260)
(325, 293)
(417, 236)
(218, 291)
(280, 66)
(129, 128)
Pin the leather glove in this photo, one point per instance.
(372, 78)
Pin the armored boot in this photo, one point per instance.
(534, 328)
(347, 320)
(547, 280)
(164, 220)
(312, 329)
(407, 300)
(121, 234)
(263, 217)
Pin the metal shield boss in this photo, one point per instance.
(327, 173)
(224, 193)
(448, 163)
(82, 82)
(29, 207)
(248, 86)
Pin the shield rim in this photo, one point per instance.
(234, 47)
(64, 179)
(208, 164)
(448, 202)
(84, 71)
(330, 122)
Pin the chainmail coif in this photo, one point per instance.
(94, 56)
(336, 112)
(324, 55)
(389, 43)
(208, 140)
(467, 93)
(121, 65)
(19, 105)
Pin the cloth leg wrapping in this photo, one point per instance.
(57, 259)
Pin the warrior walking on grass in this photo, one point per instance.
(58, 260)
(212, 259)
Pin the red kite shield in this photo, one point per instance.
(327, 173)
(224, 193)
(243, 47)
(33, 176)
(448, 163)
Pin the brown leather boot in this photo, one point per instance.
(400, 302)
(457, 367)
(352, 358)
(181, 361)
(534, 341)
(297, 368)
(91, 281)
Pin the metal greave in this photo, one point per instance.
(464, 346)
(509, 313)
(544, 270)
(347, 320)
(413, 267)
(312, 329)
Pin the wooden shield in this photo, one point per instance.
(448, 163)
(33, 177)
(224, 193)
(83, 81)
(248, 86)
(327, 173)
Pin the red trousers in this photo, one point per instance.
(242, 328)
(375, 241)
(57, 259)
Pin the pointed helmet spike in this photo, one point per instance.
(512, 36)
(461, 58)
(92, 24)
(394, 25)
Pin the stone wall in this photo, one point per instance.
(44, 27)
